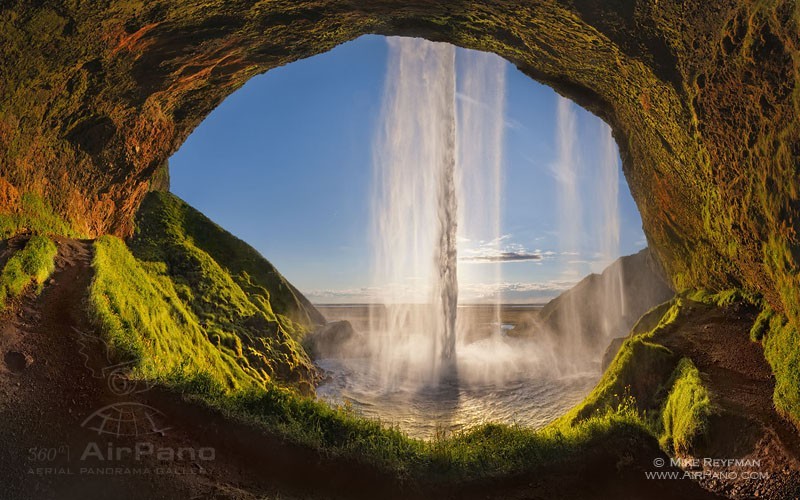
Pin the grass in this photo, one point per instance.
(664, 394)
(762, 324)
(686, 410)
(487, 450)
(143, 320)
(781, 342)
(31, 265)
(722, 298)
(166, 226)
(236, 311)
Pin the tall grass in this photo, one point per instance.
(144, 321)
(686, 410)
(31, 265)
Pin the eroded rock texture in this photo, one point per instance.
(702, 97)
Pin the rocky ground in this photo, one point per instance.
(56, 387)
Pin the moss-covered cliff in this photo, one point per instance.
(702, 97)
(178, 300)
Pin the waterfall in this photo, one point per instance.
(481, 125)
(581, 339)
(415, 215)
(437, 183)
(613, 300)
(570, 338)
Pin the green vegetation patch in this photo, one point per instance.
(781, 343)
(650, 385)
(164, 302)
(488, 450)
(143, 320)
(687, 409)
(167, 228)
(235, 310)
(35, 215)
(33, 264)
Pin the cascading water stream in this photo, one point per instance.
(481, 127)
(576, 347)
(415, 216)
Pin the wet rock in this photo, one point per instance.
(331, 339)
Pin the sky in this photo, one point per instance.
(285, 163)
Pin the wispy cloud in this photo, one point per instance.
(501, 257)
(494, 251)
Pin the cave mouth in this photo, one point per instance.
(541, 205)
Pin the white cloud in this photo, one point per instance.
(496, 251)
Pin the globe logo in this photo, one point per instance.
(122, 418)
(127, 419)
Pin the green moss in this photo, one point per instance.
(234, 308)
(144, 320)
(648, 384)
(638, 372)
(782, 351)
(37, 216)
(762, 324)
(165, 222)
(488, 450)
(722, 298)
(686, 411)
(31, 265)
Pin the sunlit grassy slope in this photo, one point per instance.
(31, 265)
(165, 301)
(665, 392)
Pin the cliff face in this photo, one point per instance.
(702, 97)
(604, 306)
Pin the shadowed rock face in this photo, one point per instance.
(702, 97)
(604, 306)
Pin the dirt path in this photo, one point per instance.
(56, 400)
(747, 426)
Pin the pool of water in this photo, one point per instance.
(499, 377)
(452, 405)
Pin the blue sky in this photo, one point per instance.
(285, 163)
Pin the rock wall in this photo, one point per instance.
(702, 97)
